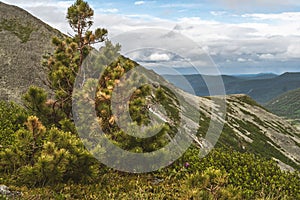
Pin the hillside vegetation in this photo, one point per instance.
(286, 105)
(44, 163)
(43, 157)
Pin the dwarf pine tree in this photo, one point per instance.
(63, 68)
(136, 101)
(40, 156)
(64, 64)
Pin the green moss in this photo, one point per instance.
(23, 32)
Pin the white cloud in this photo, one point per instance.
(196, 21)
(59, 4)
(149, 55)
(266, 56)
(241, 60)
(159, 57)
(255, 4)
(293, 50)
(138, 3)
(285, 16)
(109, 10)
(218, 13)
(181, 5)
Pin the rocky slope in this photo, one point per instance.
(24, 40)
(250, 128)
(262, 132)
(247, 126)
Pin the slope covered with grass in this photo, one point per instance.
(286, 105)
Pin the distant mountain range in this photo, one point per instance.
(255, 76)
(261, 87)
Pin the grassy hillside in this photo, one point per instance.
(286, 105)
(223, 174)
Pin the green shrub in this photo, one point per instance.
(40, 157)
(12, 118)
(37, 104)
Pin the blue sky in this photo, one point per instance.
(249, 36)
(209, 9)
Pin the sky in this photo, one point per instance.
(233, 36)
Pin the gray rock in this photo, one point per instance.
(4, 190)
(24, 41)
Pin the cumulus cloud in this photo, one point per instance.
(159, 57)
(181, 5)
(266, 56)
(218, 13)
(59, 4)
(285, 16)
(241, 60)
(256, 4)
(293, 50)
(109, 10)
(266, 40)
(138, 3)
(150, 55)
